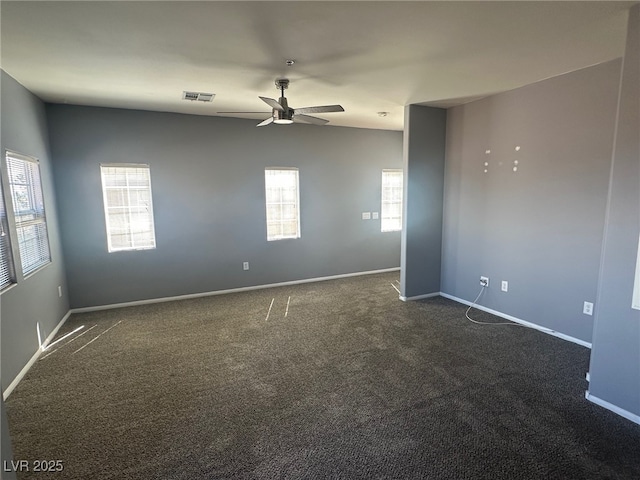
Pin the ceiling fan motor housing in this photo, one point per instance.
(283, 116)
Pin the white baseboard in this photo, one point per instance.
(609, 406)
(520, 321)
(419, 297)
(34, 358)
(230, 290)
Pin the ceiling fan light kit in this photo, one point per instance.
(282, 119)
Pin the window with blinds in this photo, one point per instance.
(283, 203)
(7, 274)
(28, 209)
(126, 190)
(391, 209)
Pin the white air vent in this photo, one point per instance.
(198, 96)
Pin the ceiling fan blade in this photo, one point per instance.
(272, 103)
(265, 122)
(264, 113)
(320, 109)
(309, 119)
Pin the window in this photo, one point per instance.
(7, 276)
(283, 200)
(391, 210)
(128, 210)
(28, 209)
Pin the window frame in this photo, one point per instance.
(384, 204)
(106, 208)
(9, 266)
(296, 204)
(17, 226)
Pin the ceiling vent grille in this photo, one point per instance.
(198, 96)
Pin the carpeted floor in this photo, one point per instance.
(330, 380)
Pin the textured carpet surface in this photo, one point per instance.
(331, 380)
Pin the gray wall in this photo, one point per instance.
(207, 177)
(34, 299)
(539, 228)
(424, 156)
(615, 359)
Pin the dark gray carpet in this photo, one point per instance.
(350, 384)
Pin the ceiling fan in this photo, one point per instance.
(283, 114)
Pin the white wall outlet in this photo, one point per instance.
(375, 215)
(587, 309)
(484, 281)
(245, 265)
(505, 286)
(59, 290)
(366, 215)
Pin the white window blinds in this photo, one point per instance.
(7, 276)
(28, 208)
(128, 207)
(391, 208)
(283, 203)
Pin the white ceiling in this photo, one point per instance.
(367, 56)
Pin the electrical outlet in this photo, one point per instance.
(484, 281)
(505, 286)
(587, 309)
(245, 265)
